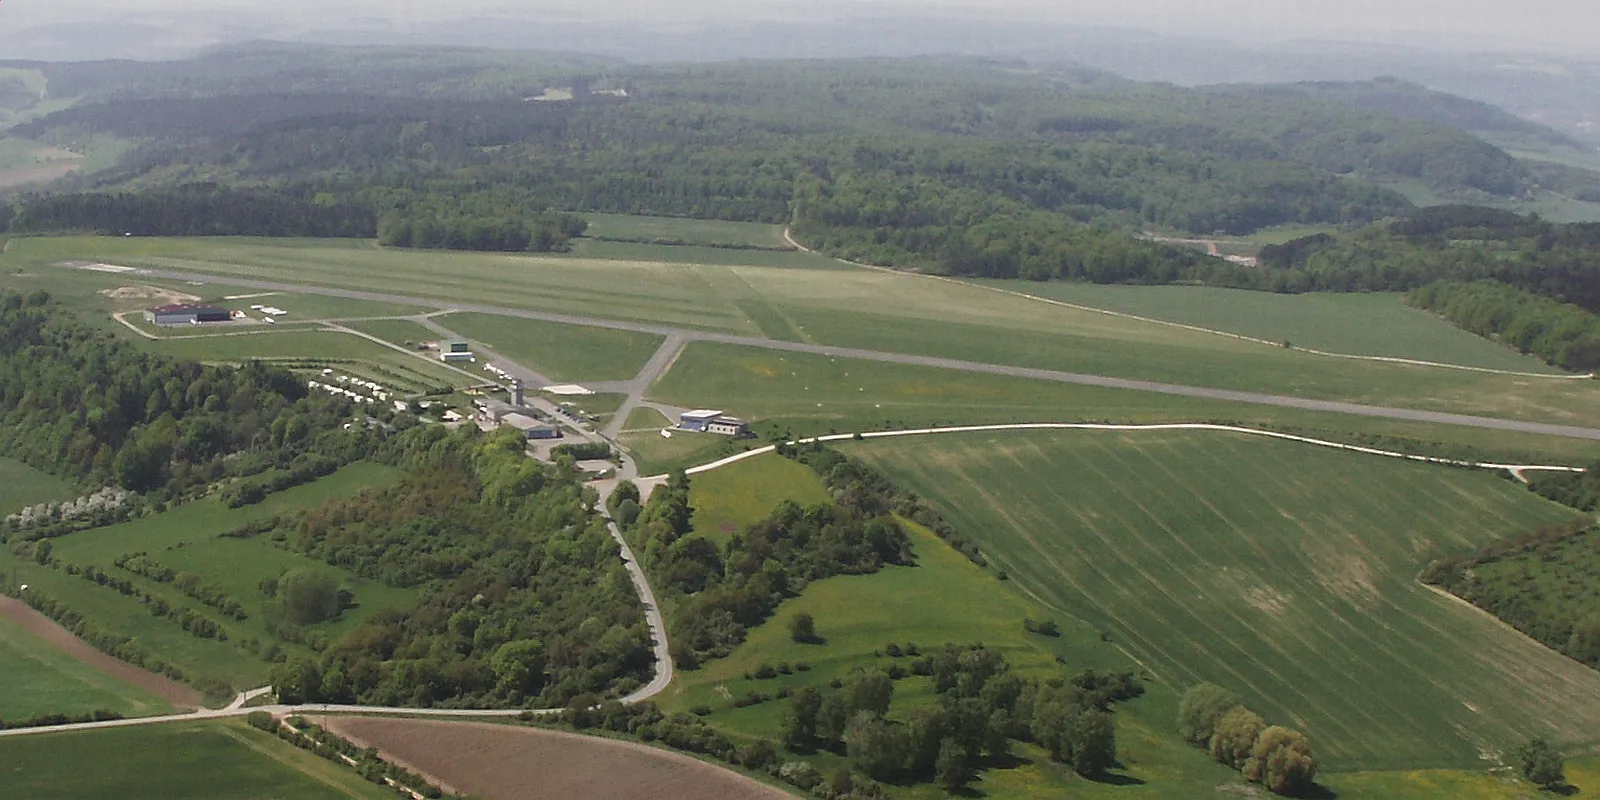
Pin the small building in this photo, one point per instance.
(709, 421)
(530, 427)
(493, 410)
(187, 314)
(456, 351)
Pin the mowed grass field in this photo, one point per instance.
(695, 231)
(1368, 324)
(189, 539)
(22, 486)
(184, 761)
(559, 352)
(847, 307)
(801, 394)
(41, 679)
(1281, 571)
(729, 500)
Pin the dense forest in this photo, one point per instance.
(84, 405)
(879, 160)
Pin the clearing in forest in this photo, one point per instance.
(1284, 572)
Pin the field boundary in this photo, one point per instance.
(1517, 471)
(1409, 362)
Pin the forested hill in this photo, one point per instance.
(908, 137)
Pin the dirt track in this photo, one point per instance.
(179, 695)
(504, 762)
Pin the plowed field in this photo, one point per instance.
(504, 762)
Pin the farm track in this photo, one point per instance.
(1254, 398)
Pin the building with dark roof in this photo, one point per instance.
(187, 314)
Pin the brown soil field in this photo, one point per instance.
(179, 695)
(507, 762)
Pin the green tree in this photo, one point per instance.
(519, 667)
(800, 718)
(1541, 763)
(309, 596)
(1235, 737)
(803, 628)
(869, 691)
(876, 746)
(1093, 740)
(1281, 760)
(954, 766)
(1202, 706)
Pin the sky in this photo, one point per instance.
(1570, 26)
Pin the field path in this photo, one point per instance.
(936, 362)
(179, 695)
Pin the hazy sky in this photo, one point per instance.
(1570, 25)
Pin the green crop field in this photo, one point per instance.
(943, 599)
(727, 500)
(22, 486)
(699, 254)
(803, 394)
(41, 679)
(559, 352)
(689, 231)
(188, 539)
(184, 761)
(1370, 324)
(1284, 572)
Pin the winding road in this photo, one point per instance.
(686, 336)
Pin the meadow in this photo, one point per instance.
(1371, 324)
(559, 352)
(22, 486)
(188, 539)
(1283, 572)
(802, 394)
(41, 679)
(689, 231)
(729, 500)
(181, 761)
(864, 308)
(657, 455)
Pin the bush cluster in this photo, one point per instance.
(1279, 758)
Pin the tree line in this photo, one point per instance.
(1560, 334)
(1279, 758)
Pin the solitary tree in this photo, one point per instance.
(1202, 706)
(1541, 764)
(1235, 737)
(803, 628)
(1282, 761)
(309, 596)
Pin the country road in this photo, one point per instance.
(687, 336)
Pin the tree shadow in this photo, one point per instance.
(1319, 792)
(1115, 779)
(1565, 790)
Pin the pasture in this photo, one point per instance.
(1371, 324)
(851, 307)
(22, 486)
(181, 761)
(686, 231)
(42, 679)
(1283, 572)
(559, 352)
(802, 394)
(189, 539)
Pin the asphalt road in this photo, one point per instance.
(1255, 398)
